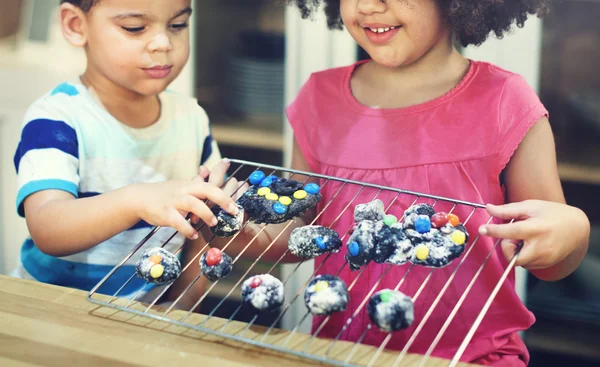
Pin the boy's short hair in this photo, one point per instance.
(84, 5)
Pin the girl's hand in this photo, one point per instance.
(168, 203)
(551, 232)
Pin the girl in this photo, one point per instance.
(421, 117)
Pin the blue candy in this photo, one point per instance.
(266, 182)
(353, 248)
(321, 243)
(257, 177)
(423, 224)
(279, 208)
(312, 188)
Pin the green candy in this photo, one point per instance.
(389, 220)
(386, 296)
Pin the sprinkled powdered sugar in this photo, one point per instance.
(304, 241)
(326, 294)
(267, 296)
(391, 310)
(169, 262)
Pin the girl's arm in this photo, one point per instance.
(556, 235)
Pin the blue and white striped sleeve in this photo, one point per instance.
(47, 157)
(210, 154)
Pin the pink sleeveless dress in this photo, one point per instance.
(454, 146)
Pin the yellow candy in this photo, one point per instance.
(155, 259)
(321, 286)
(263, 191)
(272, 196)
(156, 271)
(285, 200)
(459, 237)
(422, 252)
(300, 194)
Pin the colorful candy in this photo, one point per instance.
(312, 188)
(285, 200)
(321, 285)
(278, 207)
(422, 252)
(256, 282)
(422, 224)
(458, 237)
(321, 243)
(155, 259)
(272, 196)
(389, 220)
(353, 248)
(439, 219)
(156, 271)
(257, 177)
(300, 194)
(386, 296)
(453, 219)
(213, 256)
(263, 191)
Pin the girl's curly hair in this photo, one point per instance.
(471, 21)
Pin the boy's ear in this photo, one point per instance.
(73, 23)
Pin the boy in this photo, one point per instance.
(103, 159)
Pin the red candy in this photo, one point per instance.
(454, 220)
(439, 219)
(213, 257)
(256, 282)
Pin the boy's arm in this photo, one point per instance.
(61, 225)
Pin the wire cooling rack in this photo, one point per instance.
(311, 346)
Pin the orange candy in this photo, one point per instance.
(454, 220)
(156, 259)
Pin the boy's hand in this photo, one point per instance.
(550, 232)
(216, 176)
(168, 203)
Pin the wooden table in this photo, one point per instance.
(44, 325)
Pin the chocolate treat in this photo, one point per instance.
(326, 294)
(391, 310)
(309, 242)
(215, 264)
(263, 292)
(391, 245)
(227, 225)
(373, 211)
(277, 200)
(158, 266)
(361, 244)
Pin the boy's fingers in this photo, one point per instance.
(215, 195)
(518, 210)
(515, 231)
(195, 206)
(231, 187)
(203, 172)
(217, 174)
(181, 225)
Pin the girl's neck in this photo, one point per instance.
(130, 108)
(431, 76)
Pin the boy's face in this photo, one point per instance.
(140, 45)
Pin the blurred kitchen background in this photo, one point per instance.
(249, 60)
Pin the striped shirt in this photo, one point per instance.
(69, 142)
